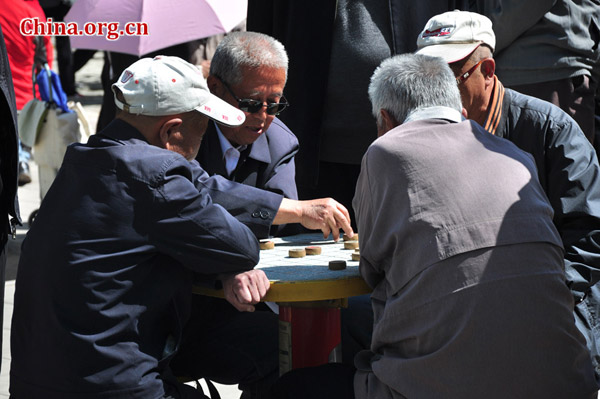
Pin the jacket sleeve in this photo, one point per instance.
(253, 207)
(198, 233)
(365, 209)
(573, 188)
(512, 18)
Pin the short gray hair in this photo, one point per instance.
(407, 82)
(246, 49)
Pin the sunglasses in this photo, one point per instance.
(462, 78)
(254, 106)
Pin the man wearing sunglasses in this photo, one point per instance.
(567, 163)
(249, 71)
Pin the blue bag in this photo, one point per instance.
(47, 79)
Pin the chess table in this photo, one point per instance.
(310, 297)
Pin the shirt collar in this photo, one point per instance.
(438, 112)
(495, 107)
(259, 150)
(225, 144)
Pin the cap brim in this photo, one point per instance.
(222, 112)
(450, 52)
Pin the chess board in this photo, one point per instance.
(280, 267)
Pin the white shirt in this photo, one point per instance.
(438, 112)
(231, 155)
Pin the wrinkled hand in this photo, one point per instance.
(327, 215)
(245, 289)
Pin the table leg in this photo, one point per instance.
(309, 334)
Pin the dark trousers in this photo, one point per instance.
(357, 327)
(330, 381)
(63, 50)
(176, 390)
(3, 249)
(575, 96)
(230, 347)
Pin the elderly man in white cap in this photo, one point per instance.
(104, 279)
(104, 282)
(567, 163)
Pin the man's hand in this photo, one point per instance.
(245, 289)
(325, 214)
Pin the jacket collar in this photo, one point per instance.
(121, 131)
(495, 108)
(259, 150)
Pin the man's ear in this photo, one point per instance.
(167, 129)
(213, 83)
(389, 122)
(488, 68)
(465, 113)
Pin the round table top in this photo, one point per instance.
(308, 278)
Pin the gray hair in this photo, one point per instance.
(407, 82)
(246, 50)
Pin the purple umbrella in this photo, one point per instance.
(151, 24)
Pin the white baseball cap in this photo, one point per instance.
(169, 85)
(455, 34)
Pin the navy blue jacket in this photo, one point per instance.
(267, 164)
(104, 280)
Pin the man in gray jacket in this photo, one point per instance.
(458, 244)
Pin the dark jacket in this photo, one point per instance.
(9, 160)
(307, 34)
(9, 153)
(569, 173)
(267, 164)
(104, 280)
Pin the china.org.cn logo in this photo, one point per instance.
(111, 30)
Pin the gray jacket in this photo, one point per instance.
(458, 243)
(544, 40)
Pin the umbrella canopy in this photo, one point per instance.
(168, 22)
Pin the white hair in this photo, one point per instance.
(407, 82)
(246, 49)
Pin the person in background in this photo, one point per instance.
(23, 53)
(549, 49)
(333, 52)
(566, 162)
(9, 160)
(202, 50)
(68, 61)
(466, 266)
